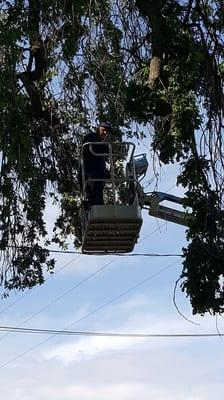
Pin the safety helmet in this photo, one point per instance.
(105, 125)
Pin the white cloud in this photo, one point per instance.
(135, 321)
(137, 301)
(159, 375)
(89, 347)
(99, 368)
(125, 391)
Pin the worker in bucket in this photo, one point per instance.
(93, 166)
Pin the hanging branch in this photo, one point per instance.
(152, 10)
(38, 55)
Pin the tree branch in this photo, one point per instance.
(38, 54)
(152, 10)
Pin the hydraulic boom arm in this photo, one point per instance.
(152, 203)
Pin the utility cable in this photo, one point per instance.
(67, 292)
(112, 254)
(117, 254)
(35, 287)
(61, 296)
(73, 288)
(106, 334)
(89, 314)
(79, 254)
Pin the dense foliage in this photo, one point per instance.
(64, 65)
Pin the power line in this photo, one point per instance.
(61, 296)
(109, 254)
(89, 314)
(117, 254)
(106, 334)
(58, 298)
(79, 284)
(73, 288)
(79, 254)
(35, 287)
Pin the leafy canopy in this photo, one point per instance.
(67, 63)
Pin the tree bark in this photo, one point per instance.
(38, 54)
(152, 10)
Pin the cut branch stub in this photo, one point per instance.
(154, 71)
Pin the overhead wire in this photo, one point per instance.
(35, 287)
(73, 288)
(106, 334)
(111, 254)
(79, 254)
(76, 286)
(86, 279)
(117, 254)
(55, 300)
(89, 314)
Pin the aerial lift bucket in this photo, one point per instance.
(115, 227)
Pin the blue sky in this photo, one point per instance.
(41, 367)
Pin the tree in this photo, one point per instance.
(67, 63)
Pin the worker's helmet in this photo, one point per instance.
(105, 125)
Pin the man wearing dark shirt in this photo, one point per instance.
(95, 165)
